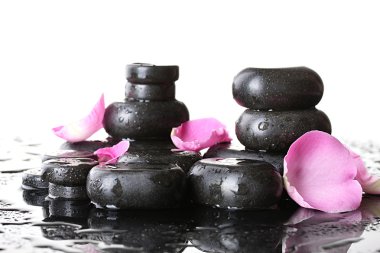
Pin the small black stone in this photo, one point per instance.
(278, 89)
(68, 154)
(160, 153)
(149, 73)
(35, 197)
(144, 120)
(228, 150)
(33, 179)
(275, 131)
(149, 92)
(67, 192)
(67, 171)
(136, 186)
(235, 183)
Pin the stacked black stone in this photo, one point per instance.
(150, 174)
(150, 109)
(281, 106)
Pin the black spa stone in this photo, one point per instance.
(144, 120)
(32, 179)
(86, 145)
(69, 208)
(235, 183)
(275, 131)
(148, 73)
(228, 150)
(160, 153)
(277, 89)
(35, 197)
(136, 186)
(67, 192)
(68, 154)
(149, 92)
(67, 171)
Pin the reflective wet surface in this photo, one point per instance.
(31, 222)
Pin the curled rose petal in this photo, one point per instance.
(84, 128)
(195, 135)
(110, 155)
(369, 183)
(319, 173)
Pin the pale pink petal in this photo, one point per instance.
(319, 173)
(110, 155)
(369, 183)
(84, 128)
(198, 134)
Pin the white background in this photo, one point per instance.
(57, 57)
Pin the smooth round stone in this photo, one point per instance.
(277, 89)
(275, 131)
(136, 186)
(67, 171)
(159, 155)
(149, 92)
(149, 73)
(235, 183)
(228, 150)
(144, 120)
(32, 179)
(68, 154)
(67, 192)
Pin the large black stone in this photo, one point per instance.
(136, 186)
(235, 183)
(275, 131)
(228, 150)
(277, 89)
(144, 120)
(159, 153)
(67, 171)
(67, 192)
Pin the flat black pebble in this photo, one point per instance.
(33, 179)
(68, 154)
(159, 154)
(149, 92)
(235, 183)
(275, 131)
(228, 150)
(278, 89)
(67, 192)
(144, 120)
(136, 186)
(67, 171)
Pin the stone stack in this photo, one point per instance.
(150, 174)
(281, 107)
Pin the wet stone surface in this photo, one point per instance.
(31, 222)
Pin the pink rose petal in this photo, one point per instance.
(195, 135)
(319, 173)
(84, 128)
(110, 155)
(369, 183)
